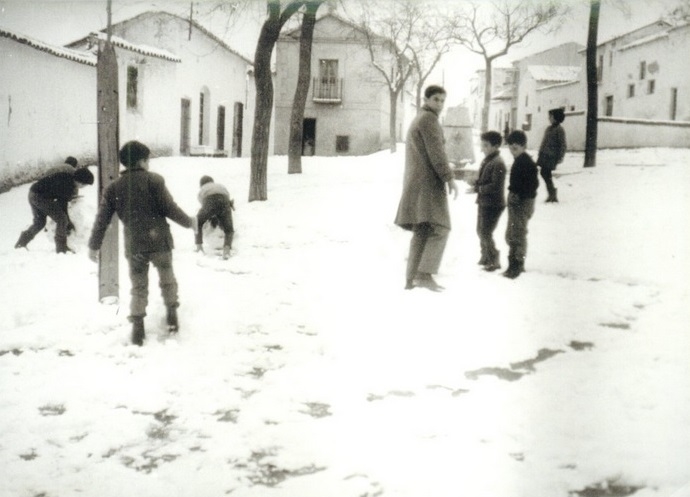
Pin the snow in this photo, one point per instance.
(304, 369)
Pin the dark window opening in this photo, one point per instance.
(631, 91)
(609, 106)
(651, 86)
(201, 118)
(342, 143)
(643, 70)
(220, 128)
(132, 86)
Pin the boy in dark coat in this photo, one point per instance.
(217, 207)
(423, 207)
(552, 151)
(522, 190)
(49, 197)
(142, 202)
(490, 198)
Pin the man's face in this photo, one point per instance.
(436, 101)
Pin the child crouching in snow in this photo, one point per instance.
(217, 207)
(142, 202)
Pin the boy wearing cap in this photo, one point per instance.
(142, 202)
(217, 207)
(49, 197)
(552, 151)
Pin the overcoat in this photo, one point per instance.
(142, 202)
(424, 198)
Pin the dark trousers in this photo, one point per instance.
(43, 208)
(487, 220)
(139, 275)
(519, 213)
(426, 249)
(218, 207)
(546, 174)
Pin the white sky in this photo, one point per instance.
(62, 21)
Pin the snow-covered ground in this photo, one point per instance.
(303, 369)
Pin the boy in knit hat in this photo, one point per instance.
(217, 207)
(142, 202)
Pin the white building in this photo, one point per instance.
(214, 85)
(48, 103)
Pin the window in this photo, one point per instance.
(609, 106)
(132, 86)
(650, 86)
(342, 143)
(643, 69)
(201, 118)
(631, 91)
(527, 125)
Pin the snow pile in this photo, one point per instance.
(303, 368)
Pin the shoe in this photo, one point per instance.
(425, 280)
(138, 333)
(171, 319)
(492, 266)
(515, 268)
(483, 260)
(23, 241)
(409, 284)
(226, 253)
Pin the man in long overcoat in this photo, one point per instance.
(423, 207)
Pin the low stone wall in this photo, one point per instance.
(615, 132)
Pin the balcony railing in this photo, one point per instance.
(327, 90)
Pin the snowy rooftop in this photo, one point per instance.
(644, 40)
(66, 53)
(142, 49)
(554, 73)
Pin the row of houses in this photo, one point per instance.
(643, 90)
(184, 91)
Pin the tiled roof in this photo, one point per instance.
(142, 49)
(66, 53)
(554, 73)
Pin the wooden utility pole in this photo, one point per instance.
(108, 162)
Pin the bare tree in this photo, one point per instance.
(430, 43)
(277, 17)
(389, 34)
(491, 28)
(591, 128)
(681, 12)
(302, 90)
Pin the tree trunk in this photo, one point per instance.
(268, 37)
(592, 86)
(302, 90)
(392, 120)
(418, 95)
(488, 82)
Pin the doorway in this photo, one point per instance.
(309, 136)
(220, 128)
(674, 103)
(237, 129)
(185, 125)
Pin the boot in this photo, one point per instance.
(483, 260)
(515, 267)
(61, 245)
(552, 196)
(425, 280)
(494, 263)
(138, 333)
(24, 240)
(555, 195)
(226, 252)
(171, 319)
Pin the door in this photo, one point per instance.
(220, 128)
(674, 103)
(185, 125)
(237, 129)
(309, 136)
